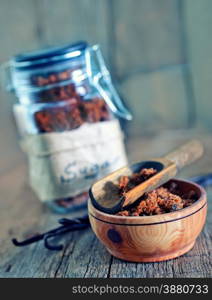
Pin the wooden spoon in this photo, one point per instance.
(104, 193)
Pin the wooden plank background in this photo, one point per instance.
(159, 53)
(83, 255)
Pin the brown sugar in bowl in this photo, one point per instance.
(152, 238)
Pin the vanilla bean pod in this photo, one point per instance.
(68, 225)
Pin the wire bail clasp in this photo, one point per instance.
(100, 78)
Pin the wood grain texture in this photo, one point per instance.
(26, 25)
(147, 35)
(192, 264)
(75, 20)
(172, 162)
(153, 238)
(168, 172)
(22, 214)
(198, 22)
(186, 154)
(145, 43)
(17, 28)
(158, 100)
(196, 263)
(16, 37)
(112, 203)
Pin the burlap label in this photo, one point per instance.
(66, 164)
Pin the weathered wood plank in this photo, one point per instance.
(17, 27)
(198, 21)
(89, 258)
(196, 263)
(75, 20)
(10, 154)
(147, 35)
(141, 148)
(18, 33)
(32, 24)
(20, 210)
(158, 100)
(83, 255)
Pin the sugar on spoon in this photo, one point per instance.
(166, 167)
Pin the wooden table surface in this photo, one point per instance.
(22, 214)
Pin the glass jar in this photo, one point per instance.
(59, 90)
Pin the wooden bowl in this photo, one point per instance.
(152, 238)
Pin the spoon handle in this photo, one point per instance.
(186, 154)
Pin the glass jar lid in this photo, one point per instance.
(47, 56)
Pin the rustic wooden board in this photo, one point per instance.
(29, 24)
(158, 100)
(84, 256)
(142, 41)
(18, 33)
(22, 214)
(10, 153)
(147, 35)
(198, 21)
(75, 20)
(151, 46)
(196, 263)
(17, 28)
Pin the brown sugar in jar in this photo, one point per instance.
(58, 92)
(72, 115)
